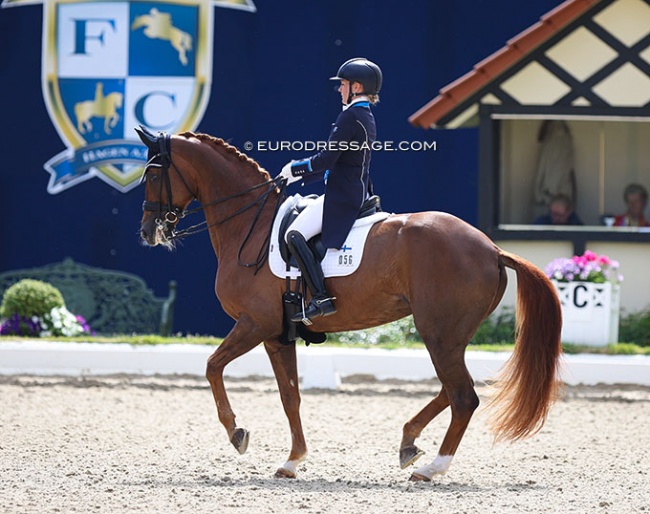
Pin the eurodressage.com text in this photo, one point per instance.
(342, 146)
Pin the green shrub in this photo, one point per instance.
(623, 349)
(497, 329)
(398, 332)
(30, 298)
(635, 328)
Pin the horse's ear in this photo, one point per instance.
(149, 139)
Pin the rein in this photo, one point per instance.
(173, 214)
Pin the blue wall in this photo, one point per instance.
(269, 83)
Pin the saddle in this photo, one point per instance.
(292, 300)
(371, 206)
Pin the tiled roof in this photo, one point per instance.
(489, 69)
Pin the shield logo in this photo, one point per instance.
(110, 66)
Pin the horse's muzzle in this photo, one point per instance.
(154, 231)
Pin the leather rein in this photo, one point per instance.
(169, 214)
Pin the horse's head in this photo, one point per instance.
(154, 20)
(141, 21)
(167, 191)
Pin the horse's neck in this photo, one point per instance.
(245, 232)
(228, 236)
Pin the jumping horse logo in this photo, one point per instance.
(109, 66)
(159, 25)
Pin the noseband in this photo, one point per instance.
(167, 214)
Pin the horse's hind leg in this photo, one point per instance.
(283, 361)
(240, 340)
(179, 42)
(84, 126)
(463, 400)
(408, 452)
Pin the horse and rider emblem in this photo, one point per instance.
(111, 66)
(101, 106)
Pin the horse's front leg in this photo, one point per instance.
(177, 40)
(283, 361)
(113, 121)
(241, 339)
(107, 124)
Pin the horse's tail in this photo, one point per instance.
(528, 383)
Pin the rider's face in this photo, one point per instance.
(344, 89)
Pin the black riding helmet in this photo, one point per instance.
(361, 70)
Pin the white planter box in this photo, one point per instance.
(590, 312)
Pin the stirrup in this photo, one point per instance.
(318, 307)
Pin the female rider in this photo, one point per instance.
(344, 166)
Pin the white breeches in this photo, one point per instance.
(310, 221)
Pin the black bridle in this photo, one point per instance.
(167, 214)
(162, 160)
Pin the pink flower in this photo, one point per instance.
(590, 256)
(588, 267)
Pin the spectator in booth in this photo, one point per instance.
(560, 212)
(636, 199)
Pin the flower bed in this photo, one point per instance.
(59, 322)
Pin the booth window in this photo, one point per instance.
(604, 156)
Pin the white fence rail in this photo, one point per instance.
(319, 367)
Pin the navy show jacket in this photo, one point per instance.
(344, 164)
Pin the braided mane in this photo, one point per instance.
(230, 149)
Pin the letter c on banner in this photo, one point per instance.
(140, 106)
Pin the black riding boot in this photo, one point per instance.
(321, 303)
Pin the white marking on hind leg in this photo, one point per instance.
(292, 467)
(439, 466)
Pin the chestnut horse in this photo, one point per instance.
(445, 272)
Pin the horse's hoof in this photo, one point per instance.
(284, 473)
(240, 440)
(409, 455)
(416, 477)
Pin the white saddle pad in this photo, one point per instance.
(337, 263)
